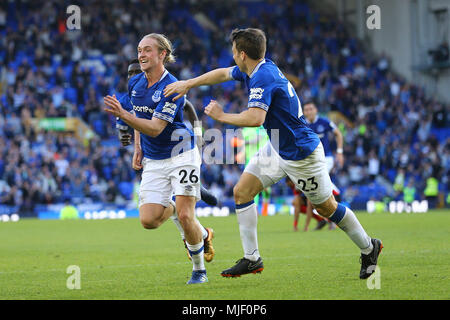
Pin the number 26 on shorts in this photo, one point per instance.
(184, 176)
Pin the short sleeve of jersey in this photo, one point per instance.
(237, 74)
(331, 126)
(125, 102)
(260, 92)
(167, 109)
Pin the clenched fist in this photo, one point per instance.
(214, 110)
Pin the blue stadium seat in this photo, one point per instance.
(107, 172)
(70, 94)
(68, 70)
(126, 189)
(441, 134)
(391, 175)
(225, 59)
(98, 127)
(81, 109)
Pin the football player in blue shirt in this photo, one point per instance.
(125, 136)
(322, 127)
(164, 149)
(134, 68)
(298, 153)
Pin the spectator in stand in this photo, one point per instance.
(48, 72)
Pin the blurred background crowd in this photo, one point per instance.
(396, 135)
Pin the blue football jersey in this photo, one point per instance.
(269, 90)
(150, 102)
(323, 126)
(126, 104)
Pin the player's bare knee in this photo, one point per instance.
(150, 223)
(185, 216)
(242, 194)
(150, 217)
(237, 194)
(322, 212)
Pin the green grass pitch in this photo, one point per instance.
(118, 259)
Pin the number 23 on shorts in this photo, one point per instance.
(303, 184)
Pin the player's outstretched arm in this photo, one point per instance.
(191, 113)
(137, 156)
(182, 87)
(252, 117)
(137, 139)
(340, 146)
(195, 122)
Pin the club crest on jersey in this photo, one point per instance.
(169, 108)
(156, 96)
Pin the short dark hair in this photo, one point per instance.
(251, 40)
(310, 101)
(133, 62)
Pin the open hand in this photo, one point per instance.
(180, 87)
(114, 105)
(340, 159)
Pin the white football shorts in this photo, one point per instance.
(179, 175)
(310, 175)
(330, 163)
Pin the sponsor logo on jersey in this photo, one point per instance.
(169, 108)
(256, 93)
(156, 96)
(143, 109)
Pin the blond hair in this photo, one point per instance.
(163, 44)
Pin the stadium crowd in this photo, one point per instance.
(394, 137)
